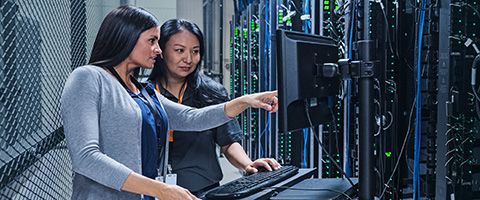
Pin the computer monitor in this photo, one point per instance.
(302, 81)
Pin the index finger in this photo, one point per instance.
(275, 92)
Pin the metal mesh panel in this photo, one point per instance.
(40, 43)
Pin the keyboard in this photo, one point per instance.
(251, 184)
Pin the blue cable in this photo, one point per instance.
(418, 113)
(306, 11)
(350, 37)
(267, 127)
(305, 140)
(306, 29)
(349, 88)
(347, 139)
(265, 77)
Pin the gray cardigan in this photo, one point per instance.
(102, 125)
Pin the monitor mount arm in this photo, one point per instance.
(364, 72)
(346, 67)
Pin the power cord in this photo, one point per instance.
(401, 150)
(321, 144)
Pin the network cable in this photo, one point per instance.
(418, 126)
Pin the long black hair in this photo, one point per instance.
(118, 35)
(205, 90)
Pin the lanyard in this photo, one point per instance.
(180, 100)
(162, 149)
(181, 93)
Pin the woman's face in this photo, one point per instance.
(146, 49)
(181, 54)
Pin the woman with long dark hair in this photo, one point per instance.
(178, 77)
(116, 128)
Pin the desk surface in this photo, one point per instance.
(275, 189)
(328, 188)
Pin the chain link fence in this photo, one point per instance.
(40, 43)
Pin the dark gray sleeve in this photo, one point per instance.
(228, 133)
(185, 118)
(80, 111)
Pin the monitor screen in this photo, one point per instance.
(302, 83)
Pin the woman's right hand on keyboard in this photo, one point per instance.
(267, 163)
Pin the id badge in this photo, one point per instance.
(170, 179)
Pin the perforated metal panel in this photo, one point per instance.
(40, 43)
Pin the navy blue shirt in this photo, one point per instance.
(150, 146)
(151, 143)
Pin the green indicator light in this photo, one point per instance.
(280, 16)
(388, 154)
(289, 22)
